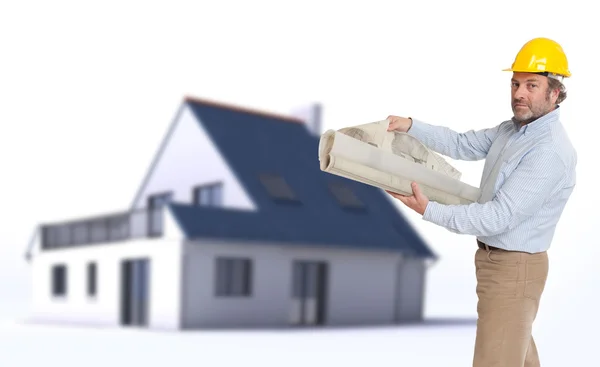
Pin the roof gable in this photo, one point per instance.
(275, 155)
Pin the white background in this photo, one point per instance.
(87, 92)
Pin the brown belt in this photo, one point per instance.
(486, 247)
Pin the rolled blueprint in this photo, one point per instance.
(391, 161)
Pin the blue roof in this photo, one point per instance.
(255, 144)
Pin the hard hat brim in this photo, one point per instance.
(555, 75)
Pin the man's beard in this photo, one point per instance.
(533, 114)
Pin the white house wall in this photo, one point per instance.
(190, 158)
(362, 286)
(411, 289)
(104, 309)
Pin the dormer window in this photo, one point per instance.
(209, 194)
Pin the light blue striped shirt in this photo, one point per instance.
(530, 175)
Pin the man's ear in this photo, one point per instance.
(554, 94)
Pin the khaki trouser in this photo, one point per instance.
(509, 288)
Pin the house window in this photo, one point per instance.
(233, 277)
(92, 279)
(59, 280)
(157, 201)
(209, 195)
(345, 196)
(277, 187)
(155, 213)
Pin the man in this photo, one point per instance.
(529, 175)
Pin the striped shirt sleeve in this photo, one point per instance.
(534, 180)
(469, 146)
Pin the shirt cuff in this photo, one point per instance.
(434, 213)
(419, 129)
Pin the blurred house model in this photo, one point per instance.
(234, 226)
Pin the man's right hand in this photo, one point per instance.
(398, 123)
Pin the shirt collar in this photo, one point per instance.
(539, 123)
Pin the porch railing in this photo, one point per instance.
(143, 223)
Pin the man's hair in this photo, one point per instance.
(556, 84)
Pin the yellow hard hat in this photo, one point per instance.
(541, 55)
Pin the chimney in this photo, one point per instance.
(311, 114)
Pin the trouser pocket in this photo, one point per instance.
(534, 280)
(497, 275)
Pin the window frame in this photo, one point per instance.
(233, 276)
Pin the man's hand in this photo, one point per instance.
(397, 123)
(417, 202)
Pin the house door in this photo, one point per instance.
(135, 290)
(309, 293)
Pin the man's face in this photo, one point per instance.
(530, 98)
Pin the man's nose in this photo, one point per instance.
(521, 92)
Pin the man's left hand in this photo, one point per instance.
(417, 202)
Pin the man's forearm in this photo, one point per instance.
(539, 175)
(470, 146)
